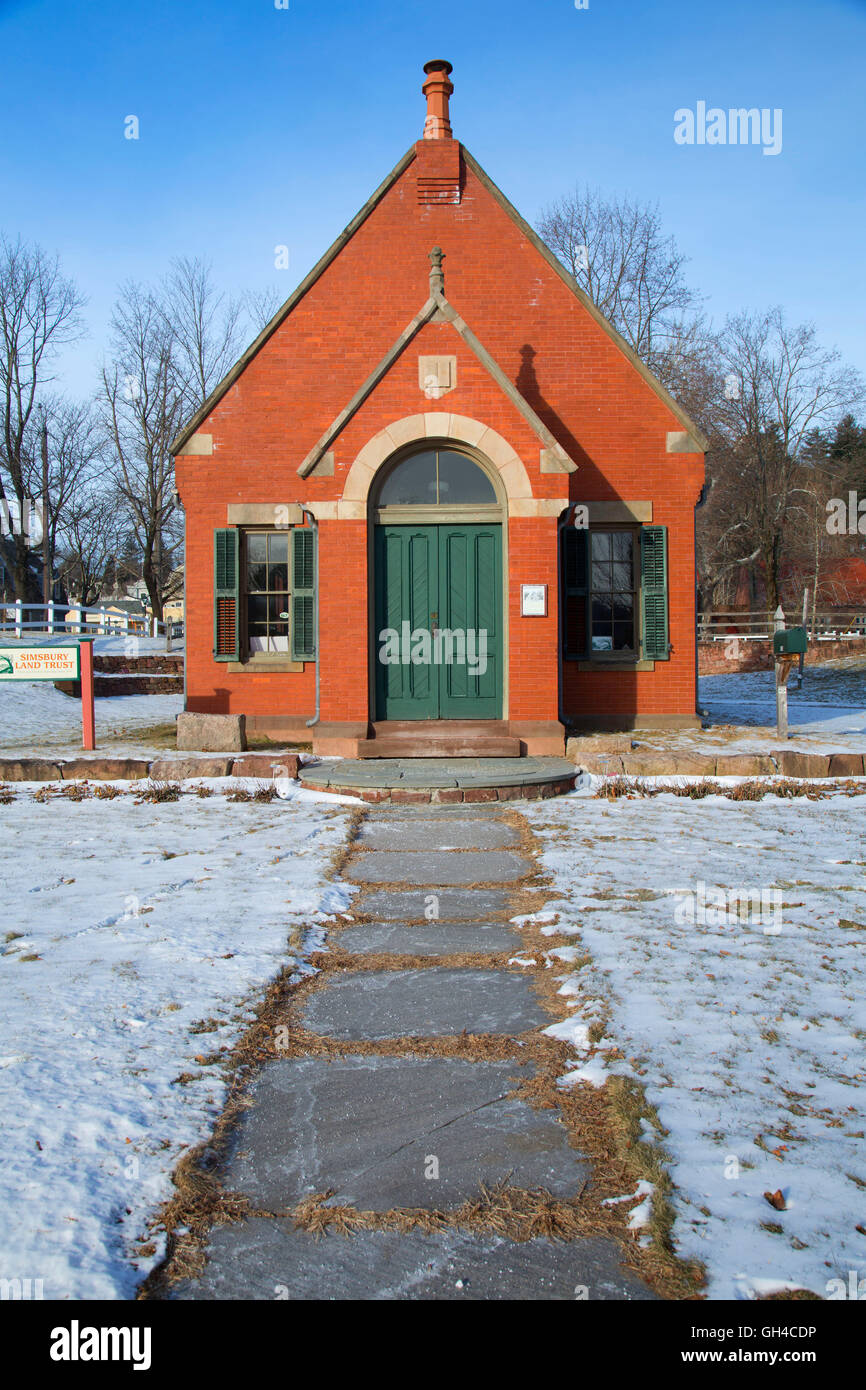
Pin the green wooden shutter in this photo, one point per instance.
(226, 600)
(575, 593)
(303, 594)
(654, 593)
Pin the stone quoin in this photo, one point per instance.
(436, 422)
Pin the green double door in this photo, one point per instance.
(438, 607)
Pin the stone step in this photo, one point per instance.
(444, 746)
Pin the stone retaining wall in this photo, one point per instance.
(715, 658)
(785, 762)
(135, 769)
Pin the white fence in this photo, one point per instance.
(828, 624)
(19, 619)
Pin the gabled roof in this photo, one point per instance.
(437, 308)
(700, 441)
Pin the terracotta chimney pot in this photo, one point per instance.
(437, 89)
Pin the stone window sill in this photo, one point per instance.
(265, 665)
(616, 665)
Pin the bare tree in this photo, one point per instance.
(89, 542)
(39, 312)
(75, 456)
(781, 383)
(205, 325)
(143, 397)
(619, 255)
(170, 346)
(260, 307)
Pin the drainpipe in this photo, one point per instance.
(315, 525)
(702, 497)
(560, 671)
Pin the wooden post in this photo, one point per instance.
(88, 712)
(784, 667)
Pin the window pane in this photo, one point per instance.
(256, 576)
(621, 576)
(257, 547)
(601, 545)
(257, 611)
(462, 481)
(278, 577)
(276, 607)
(623, 636)
(600, 577)
(622, 544)
(278, 548)
(602, 615)
(602, 643)
(623, 608)
(412, 481)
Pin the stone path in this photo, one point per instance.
(395, 1101)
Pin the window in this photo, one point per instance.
(614, 594)
(264, 594)
(437, 477)
(267, 591)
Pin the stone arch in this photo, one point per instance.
(437, 425)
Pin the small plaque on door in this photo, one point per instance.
(533, 600)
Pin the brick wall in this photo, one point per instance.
(574, 376)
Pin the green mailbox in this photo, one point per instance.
(791, 641)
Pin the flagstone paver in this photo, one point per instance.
(438, 867)
(417, 834)
(382, 1132)
(387, 1132)
(431, 1003)
(266, 1259)
(429, 938)
(469, 904)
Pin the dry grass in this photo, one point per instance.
(159, 792)
(750, 789)
(604, 1125)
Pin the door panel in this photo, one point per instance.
(470, 592)
(448, 577)
(406, 581)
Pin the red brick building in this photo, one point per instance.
(439, 504)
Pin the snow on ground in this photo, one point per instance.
(747, 1035)
(828, 714)
(117, 645)
(135, 941)
(36, 719)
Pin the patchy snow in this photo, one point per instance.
(118, 645)
(36, 719)
(827, 715)
(749, 1041)
(136, 940)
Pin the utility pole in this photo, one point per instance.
(47, 586)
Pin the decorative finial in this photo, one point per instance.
(437, 274)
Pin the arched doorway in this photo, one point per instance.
(436, 514)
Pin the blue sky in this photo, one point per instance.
(262, 126)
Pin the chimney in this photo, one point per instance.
(437, 89)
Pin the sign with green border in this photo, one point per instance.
(40, 663)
